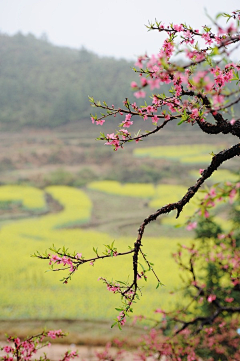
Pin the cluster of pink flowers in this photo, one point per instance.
(56, 333)
(127, 123)
(113, 139)
(121, 318)
(113, 287)
(221, 77)
(191, 226)
(158, 69)
(65, 261)
(114, 252)
(25, 350)
(211, 298)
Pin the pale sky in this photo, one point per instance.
(107, 27)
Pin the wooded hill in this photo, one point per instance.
(45, 85)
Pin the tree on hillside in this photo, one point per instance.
(199, 95)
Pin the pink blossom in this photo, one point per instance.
(231, 29)
(100, 122)
(134, 105)
(128, 117)
(218, 99)
(159, 310)
(195, 113)
(178, 27)
(201, 171)
(144, 81)
(110, 136)
(191, 226)
(124, 131)
(7, 349)
(154, 83)
(207, 38)
(232, 121)
(206, 214)
(55, 258)
(127, 124)
(211, 298)
(221, 236)
(54, 334)
(232, 195)
(134, 84)
(209, 330)
(140, 94)
(229, 299)
(212, 192)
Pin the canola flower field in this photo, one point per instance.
(158, 196)
(30, 292)
(29, 197)
(188, 154)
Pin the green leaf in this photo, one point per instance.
(159, 284)
(215, 51)
(142, 267)
(120, 328)
(181, 121)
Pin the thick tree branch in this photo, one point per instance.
(217, 160)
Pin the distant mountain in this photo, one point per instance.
(45, 85)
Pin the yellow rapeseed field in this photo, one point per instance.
(29, 291)
(222, 175)
(29, 197)
(130, 189)
(199, 153)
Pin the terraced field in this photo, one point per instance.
(130, 189)
(188, 154)
(79, 220)
(29, 292)
(222, 175)
(29, 197)
(158, 196)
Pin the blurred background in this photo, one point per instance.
(59, 186)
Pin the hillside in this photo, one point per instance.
(45, 85)
(42, 85)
